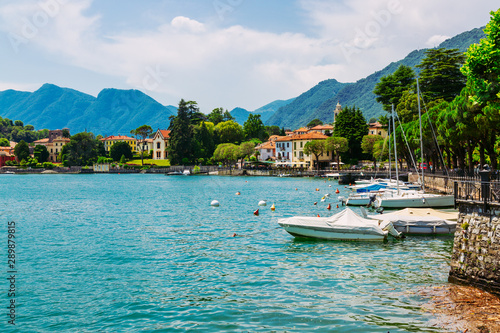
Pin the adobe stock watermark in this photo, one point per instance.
(223, 7)
(365, 36)
(31, 26)
(154, 78)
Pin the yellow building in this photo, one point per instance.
(54, 144)
(111, 140)
(299, 158)
(377, 129)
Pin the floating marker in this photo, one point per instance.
(319, 216)
(273, 208)
(296, 189)
(329, 207)
(337, 191)
(256, 212)
(337, 206)
(262, 203)
(214, 203)
(315, 203)
(329, 185)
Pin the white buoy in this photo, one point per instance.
(262, 203)
(214, 203)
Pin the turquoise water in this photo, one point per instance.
(143, 253)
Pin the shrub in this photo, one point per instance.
(48, 165)
(196, 169)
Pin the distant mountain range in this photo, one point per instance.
(241, 115)
(320, 101)
(113, 112)
(116, 111)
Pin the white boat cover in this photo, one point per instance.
(345, 221)
(419, 216)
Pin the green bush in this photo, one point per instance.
(196, 169)
(48, 165)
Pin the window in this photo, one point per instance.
(301, 144)
(288, 144)
(157, 145)
(51, 150)
(56, 150)
(295, 145)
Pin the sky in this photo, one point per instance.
(219, 53)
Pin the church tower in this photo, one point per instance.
(336, 112)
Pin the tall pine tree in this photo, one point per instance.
(351, 124)
(181, 136)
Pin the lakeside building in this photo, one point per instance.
(54, 143)
(299, 158)
(284, 151)
(160, 144)
(144, 145)
(377, 129)
(111, 140)
(323, 129)
(267, 151)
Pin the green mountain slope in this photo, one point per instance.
(112, 112)
(241, 115)
(319, 102)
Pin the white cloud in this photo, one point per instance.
(436, 40)
(237, 66)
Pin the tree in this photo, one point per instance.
(254, 127)
(22, 150)
(203, 142)
(119, 149)
(368, 146)
(227, 116)
(229, 132)
(181, 135)
(390, 88)
(351, 124)
(246, 149)
(82, 150)
(440, 76)
(216, 116)
(65, 133)
(337, 145)
(142, 132)
(4, 142)
(41, 153)
(316, 148)
(314, 122)
(228, 153)
(18, 123)
(273, 130)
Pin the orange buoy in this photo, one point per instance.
(317, 189)
(238, 193)
(319, 216)
(337, 191)
(256, 212)
(273, 208)
(296, 189)
(315, 203)
(329, 207)
(234, 235)
(337, 206)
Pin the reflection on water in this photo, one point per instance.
(148, 252)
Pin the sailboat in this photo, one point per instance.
(412, 199)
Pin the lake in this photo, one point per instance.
(145, 252)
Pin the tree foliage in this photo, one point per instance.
(440, 76)
(337, 145)
(254, 127)
(22, 151)
(316, 148)
(141, 133)
(314, 122)
(119, 149)
(229, 132)
(390, 88)
(351, 124)
(181, 135)
(82, 150)
(41, 153)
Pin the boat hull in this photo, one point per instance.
(329, 234)
(417, 201)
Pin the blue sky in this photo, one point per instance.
(220, 53)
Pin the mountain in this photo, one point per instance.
(114, 111)
(320, 101)
(241, 115)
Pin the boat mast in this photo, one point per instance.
(389, 131)
(395, 150)
(421, 141)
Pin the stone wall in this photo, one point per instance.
(435, 183)
(476, 249)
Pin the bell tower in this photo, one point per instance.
(336, 112)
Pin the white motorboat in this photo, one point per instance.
(421, 221)
(362, 199)
(413, 199)
(345, 225)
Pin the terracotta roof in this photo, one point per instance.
(302, 129)
(376, 125)
(165, 133)
(309, 136)
(266, 145)
(117, 137)
(46, 140)
(322, 127)
(62, 139)
(284, 138)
